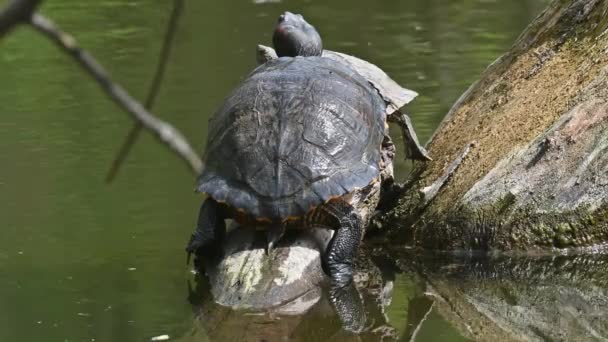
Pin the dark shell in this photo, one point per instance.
(296, 133)
(393, 94)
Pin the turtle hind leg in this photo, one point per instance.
(413, 148)
(339, 262)
(210, 230)
(343, 246)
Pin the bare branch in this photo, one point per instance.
(165, 52)
(164, 131)
(16, 12)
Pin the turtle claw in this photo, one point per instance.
(191, 248)
(418, 152)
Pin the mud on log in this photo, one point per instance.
(537, 176)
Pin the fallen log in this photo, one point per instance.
(537, 176)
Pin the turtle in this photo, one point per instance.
(287, 149)
(293, 35)
(291, 148)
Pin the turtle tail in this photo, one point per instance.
(274, 235)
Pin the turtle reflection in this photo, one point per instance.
(519, 298)
(407, 296)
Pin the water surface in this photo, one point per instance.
(81, 260)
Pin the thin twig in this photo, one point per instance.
(16, 12)
(165, 52)
(164, 131)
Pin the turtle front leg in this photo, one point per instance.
(413, 148)
(265, 54)
(210, 230)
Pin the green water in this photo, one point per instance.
(81, 260)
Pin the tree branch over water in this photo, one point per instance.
(22, 11)
(165, 52)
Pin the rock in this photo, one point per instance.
(287, 280)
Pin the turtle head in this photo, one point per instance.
(293, 36)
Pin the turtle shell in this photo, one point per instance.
(393, 94)
(294, 134)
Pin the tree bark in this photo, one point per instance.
(536, 123)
